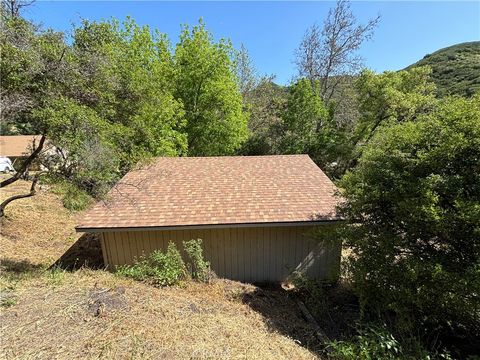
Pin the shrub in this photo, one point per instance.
(73, 198)
(76, 199)
(413, 222)
(370, 343)
(374, 341)
(312, 293)
(199, 268)
(158, 268)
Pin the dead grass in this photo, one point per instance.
(93, 314)
(37, 229)
(74, 318)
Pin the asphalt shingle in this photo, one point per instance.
(185, 191)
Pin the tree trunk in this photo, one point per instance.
(25, 165)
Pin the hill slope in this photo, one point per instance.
(93, 314)
(456, 69)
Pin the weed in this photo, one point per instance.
(158, 268)
(55, 275)
(377, 342)
(7, 298)
(199, 268)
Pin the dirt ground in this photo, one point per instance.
(83, 312)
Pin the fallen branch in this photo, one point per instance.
(309, 317)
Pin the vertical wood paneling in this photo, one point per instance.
(228, 253)
(133, 245)
(237, 244)
(217, 238)
(233, 253)
(107, 258)
(104, 250)
(118, 249)
(247, 254)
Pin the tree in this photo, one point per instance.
(265, 103)
(327, 54)
(104, 103)
(116, 96)
(126, 77)
(309, 127)
(14, 7)
(303, 119)
(33, 69)
(412, 207)
(207, 86)
(391, 97)
(32, 66)
(246, 73)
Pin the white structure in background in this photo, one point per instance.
(6, 165)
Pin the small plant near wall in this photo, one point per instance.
(168, 268)
(158, 268)
(199, 268)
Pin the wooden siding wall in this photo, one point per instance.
(257, 254)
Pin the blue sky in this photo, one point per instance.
(271, 31)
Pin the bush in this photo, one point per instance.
(413, 222)
(312, 293)
(370, 343)
(158, 268)
(73, 198)
(376, 342)
(199, 268)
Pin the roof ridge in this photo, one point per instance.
(232, 156)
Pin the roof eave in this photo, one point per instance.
(208, 226)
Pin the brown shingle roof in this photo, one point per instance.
(186, 191)
(17, 145)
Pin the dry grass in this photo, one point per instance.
(36, 229)
(93, 314)
(54, 320)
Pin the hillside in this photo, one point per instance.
(89, 313)
(456, 69)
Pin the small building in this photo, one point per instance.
(256, 215)
(18, 147)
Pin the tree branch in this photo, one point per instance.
(25, 165)
(16, 197)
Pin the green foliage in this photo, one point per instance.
(55, 275)
(309, 128)
(455, 69)
(168, 268)
(312, 293)
(87, 159)
(126, 79)
(392, 97)
(118, 95)
(207, 86)
(305, 113)
(31, 71)
(376, 342)
(199, 268)
(370, 343)
(265, 104)
(8, 301)
(413, 220)
(158, 268)
(73, 198)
